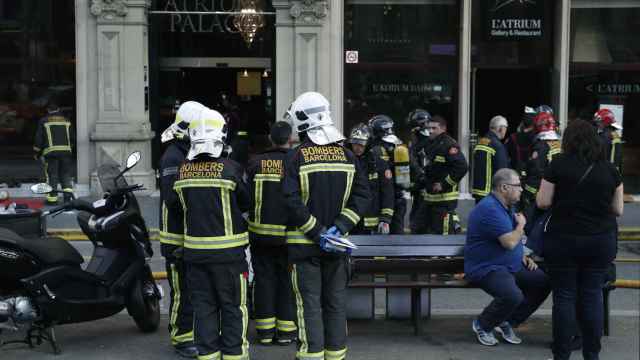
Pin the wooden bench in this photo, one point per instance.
(419, 256)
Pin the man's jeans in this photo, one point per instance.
(515, 296)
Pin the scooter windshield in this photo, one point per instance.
(106, 175)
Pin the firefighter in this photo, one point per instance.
(172, 229)
(53, 142)
(609, 131)
(378, 215)
(489, 156)
(238, 129)
(519, 144)
(213, 196)
(326, 194)
(545, 147)
(417, 121)
(274, 309)
(445, 166)
(387, 146)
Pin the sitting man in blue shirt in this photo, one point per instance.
(494, 261)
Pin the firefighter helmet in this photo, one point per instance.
(382, 128)
(545, 127)
(605, 118)
(207, 134)
(310, 113)
(186, 113)
(418, 120)
(360, 134)
(544, 109)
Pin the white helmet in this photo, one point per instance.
(310, 113)
(207, 134)
(187, 112)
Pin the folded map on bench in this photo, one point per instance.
(340, 241)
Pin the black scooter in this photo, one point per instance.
(42, 283)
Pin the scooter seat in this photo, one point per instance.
(50, 250)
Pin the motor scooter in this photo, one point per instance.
(43, 283)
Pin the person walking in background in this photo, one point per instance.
(53, 142)
(586, 193)
(272, 291)
(489, 156)
(494, 261)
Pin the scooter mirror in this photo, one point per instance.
(41, 188)
(133, 159)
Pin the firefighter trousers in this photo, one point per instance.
(58, 170)
(273, 296)
(180, 308)
(320, 285)
(438, 218)
(219, 298)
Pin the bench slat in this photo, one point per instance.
(407, 240)
(408, 251)
(410, 284)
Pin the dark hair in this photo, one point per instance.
(440, 120)
(280, 133)
(581, 139)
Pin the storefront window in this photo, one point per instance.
(37, 52)
(605, 72)
(203, 57)
(400, 55)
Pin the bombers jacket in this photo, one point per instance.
(418, 157)
(445, 164)
(268, 214)
(489, 156)
(381, 188)
(53, 135)
(323, 186)
(387, 152)
(518, 146)
(213, 197)
(171, 217)
(542, 153)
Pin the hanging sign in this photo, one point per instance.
(515, 19)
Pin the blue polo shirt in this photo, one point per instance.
(482, 252)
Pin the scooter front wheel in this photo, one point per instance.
(144, 306)
(150, 321)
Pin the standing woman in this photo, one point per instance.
(585, 192)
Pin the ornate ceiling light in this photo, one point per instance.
(249, 21)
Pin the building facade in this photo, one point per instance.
(131, 61)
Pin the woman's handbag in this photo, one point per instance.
(535, 238)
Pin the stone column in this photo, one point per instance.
(561, 59)
(309, 52)
(464, 92)
(122, 124)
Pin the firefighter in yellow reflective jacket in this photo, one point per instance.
(489, 156)
(444, 167)
(324, 188)
(272, 291)
(388, 147)
(545, 147)
(172, 229)
(213, 196)
(379, 214)
(609, 132)
(53, 141)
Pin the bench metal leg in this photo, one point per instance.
(416, 310)
(605, 298)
